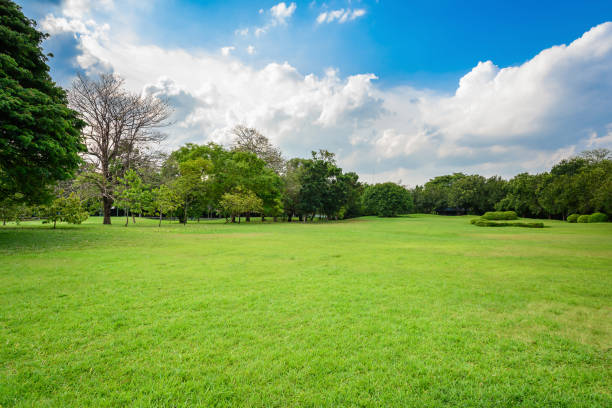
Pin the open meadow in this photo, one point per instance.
(409, 311)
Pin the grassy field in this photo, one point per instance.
(412, 311)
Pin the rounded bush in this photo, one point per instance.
(500, 215)
(583, 219)
(598, 217)
(573, 218)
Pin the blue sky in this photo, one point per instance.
(400, 90)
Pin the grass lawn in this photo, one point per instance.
(411, 311)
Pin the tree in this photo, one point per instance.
(120, 126)
(250, 140)
(165, 200)
(238, 202)
(131, 194)
(65, 209)
(387, 200)
(191, 184)
(40, 138)
(12, 208)
(291, 186)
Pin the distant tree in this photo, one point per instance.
(250, 140)
(12, 208)
(120, 127)
(131, 195)
(191, 184)
(65, 209)
(164, 200)
(387, 200)
(238, 202)
(291, 187)
(40, 138)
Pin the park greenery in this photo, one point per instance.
(103, 146)
(246, 278)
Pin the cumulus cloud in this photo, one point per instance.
(341, 15)
(251, 50)
(499, 120)
(279, 14)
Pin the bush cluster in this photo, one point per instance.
(598, 217)
(595, 217)
(573, 218)
(487, 223)
(583, 219)
(500, 215)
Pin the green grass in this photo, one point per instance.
(411, 311)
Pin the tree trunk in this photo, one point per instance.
(274, 219)
(185, 220)
(107, 204)
(160, 218)
(263, 218)
(127, 217)
(54, 222)
(233, 218)
(133, 218)
(248, 217)
(289, 217)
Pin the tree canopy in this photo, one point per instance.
(40, 138)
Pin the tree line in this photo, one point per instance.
(580, 184)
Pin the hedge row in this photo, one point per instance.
(500, 215)
(595, 217)
(487, 223)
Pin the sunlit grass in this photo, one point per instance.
(412, 311)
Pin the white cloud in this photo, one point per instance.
(279, 14)
(226, 51)
(500, 120)
(341, 15)
(250, 50)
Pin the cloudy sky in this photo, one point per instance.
(400, 91)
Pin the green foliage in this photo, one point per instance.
(387, 200)
(12, 208)
(500, 215)
(573, 218)
(64, 209)
(583, 219)
(39, 135)
(131, 194)
(239, 202)
(598, 217)
(487, 223)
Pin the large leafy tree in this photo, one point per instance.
(387, 200)
(40, 137)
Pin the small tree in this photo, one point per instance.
(191, 184)
(12, 208)
(131, 194)
(238, 202)
(165, 200)
(65, 209)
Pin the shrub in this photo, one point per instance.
(500, 215)
(487, 223)
(573, 218)
(598, 217)
(583, 219)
